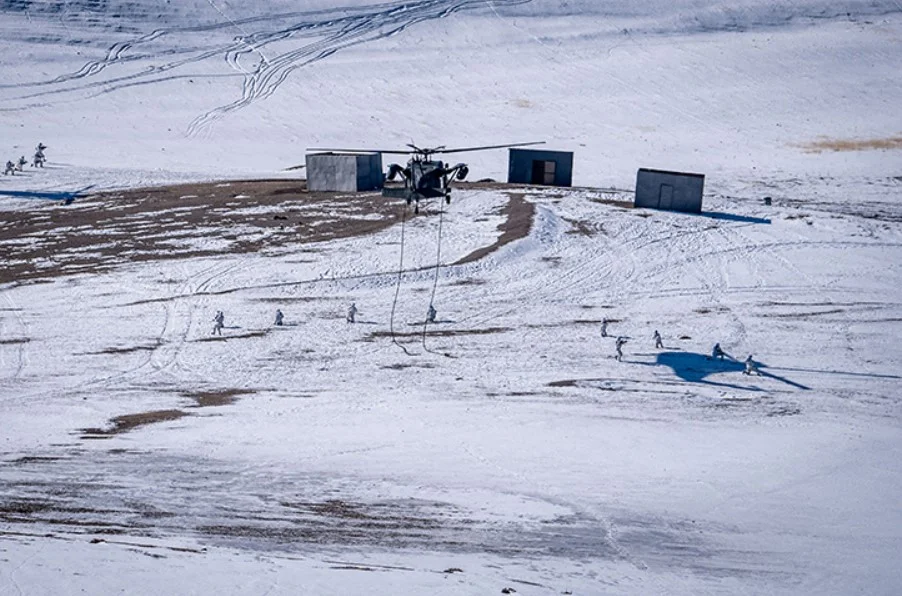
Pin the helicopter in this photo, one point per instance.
(426, 177)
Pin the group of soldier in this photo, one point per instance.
(18, 166)
(219, 319)
(717, 353)
(751, 367)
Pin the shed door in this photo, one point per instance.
(543, 172)
(665, 199)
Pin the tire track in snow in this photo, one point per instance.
(171, 339)
(177, 325)
(553, 495)
(337, 29)
(116, 52)
(270, 74)
(115, 55)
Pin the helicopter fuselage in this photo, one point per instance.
(428, 179)
(424, 178)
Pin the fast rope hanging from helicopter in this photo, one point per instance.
(438, 264)
(394, 304)
(438, 257)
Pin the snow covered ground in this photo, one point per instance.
(506, 448)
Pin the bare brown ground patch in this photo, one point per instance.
(580, 227)
(805, 315)
(104, 230)
(404, 366)
(33, 459)
(566, 323)
(470, 281)
(127, 422)
(441, 332)
(227, 336)
(843, 145)
(564, 383)
(520, 214)
(222, 397)
(124, 350)
(614, 202)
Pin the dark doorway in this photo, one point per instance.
(543, 172)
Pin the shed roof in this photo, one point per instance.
(672, 173)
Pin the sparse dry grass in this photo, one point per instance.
(842, 145)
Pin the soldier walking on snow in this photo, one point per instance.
(619, 347)
(352, 312)
(218, 323)
(39, 158)
(750, 366)
(658, 343)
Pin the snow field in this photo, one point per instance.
(510, 445)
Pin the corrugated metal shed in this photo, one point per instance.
(673, 191)
(531, 166)
(346, 172)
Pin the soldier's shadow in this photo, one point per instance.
(435, 322)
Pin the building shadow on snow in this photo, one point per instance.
(65, 196)
(734, 217)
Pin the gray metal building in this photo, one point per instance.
(531, 166)
(346, 172)
(673, 191)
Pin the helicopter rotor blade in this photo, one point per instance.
(464, 149)
(423, 150)
(392, 151)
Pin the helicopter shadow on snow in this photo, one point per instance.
(693, 367)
